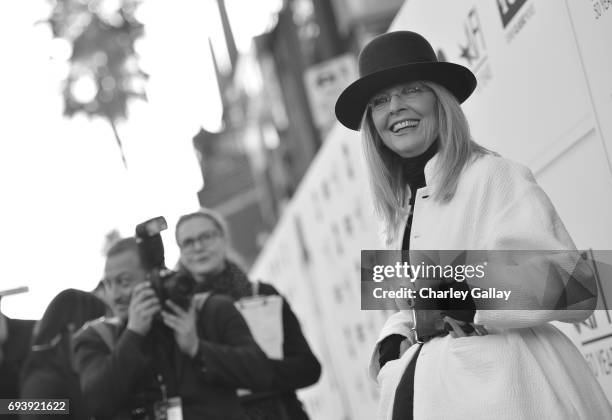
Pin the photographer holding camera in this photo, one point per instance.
(163, 357)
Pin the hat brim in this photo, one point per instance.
(352, 102)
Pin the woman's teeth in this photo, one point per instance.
(403, 124)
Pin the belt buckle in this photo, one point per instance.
(427, 324)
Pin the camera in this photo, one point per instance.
(177, 287)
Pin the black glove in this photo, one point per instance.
(390, 348)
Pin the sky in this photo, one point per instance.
(63, 183)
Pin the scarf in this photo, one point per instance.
(231, 281)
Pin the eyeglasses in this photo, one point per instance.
(205, 238)
(382, 100)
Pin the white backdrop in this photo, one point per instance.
(544, 99)
(314, 258)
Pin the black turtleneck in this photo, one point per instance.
(414, 174)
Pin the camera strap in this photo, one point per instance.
(199, 299)
(167, 408)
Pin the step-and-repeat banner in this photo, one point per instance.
(544, 98)
(314, 259)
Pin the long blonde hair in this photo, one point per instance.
(455, 149)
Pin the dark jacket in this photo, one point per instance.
(298, 369)
(118, 380)
(48, 374)
(15, 350)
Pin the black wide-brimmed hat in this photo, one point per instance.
(393, 58)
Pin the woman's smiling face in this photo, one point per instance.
(405, 118)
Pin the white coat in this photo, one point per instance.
(525, 368)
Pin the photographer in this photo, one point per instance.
(156, 356)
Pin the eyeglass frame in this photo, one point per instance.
(205, 238)
(402, 94)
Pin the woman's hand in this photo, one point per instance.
(184, 325)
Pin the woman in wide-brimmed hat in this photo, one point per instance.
(437, 189)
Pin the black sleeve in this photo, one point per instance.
(15, 351)
(108, 377)
(44, 382)
(234, 359)
(390, 349)
(299, 367)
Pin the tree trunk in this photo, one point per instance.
(116, 133)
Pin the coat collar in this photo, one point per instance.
(431, 169)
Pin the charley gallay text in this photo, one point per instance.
(433, 293)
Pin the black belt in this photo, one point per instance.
(429, 324)
(403, 403)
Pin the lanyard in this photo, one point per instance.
(162, 387)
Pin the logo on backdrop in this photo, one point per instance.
(440, 54)
(324, 82)
(514, 15)
(508, 9)
(473, 50)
